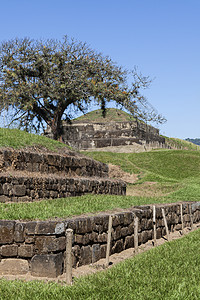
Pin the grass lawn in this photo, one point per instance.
(170, 271)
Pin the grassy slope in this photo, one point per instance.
(16, 138)
(170, 271)
(112, 115)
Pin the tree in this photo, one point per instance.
(41, 80)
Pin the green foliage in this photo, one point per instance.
(43, 80)
(169, 272)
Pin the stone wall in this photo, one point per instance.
(71, 165)
(98, 135)
(29, 176)
(26, 188)
(39, 246)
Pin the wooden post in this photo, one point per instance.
(136, 234)
(182, 222)
(108, 240)
(154, 225)
(191, 216)
(69, 235)
(165, 222)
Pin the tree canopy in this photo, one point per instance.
(43, 80)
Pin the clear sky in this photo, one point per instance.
(161, 37)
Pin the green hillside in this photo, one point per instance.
(16, 138)
(112, 115)
(194, 141)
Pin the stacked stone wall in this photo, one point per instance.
(30, 176)
(39, 246)
(26, 188)
(98, 135)
(70, 165)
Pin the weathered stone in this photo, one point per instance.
(118, 246)
(19, 190)
(25, 251)
(83, 225)
(19, 232)
(102, 237)
(49, 265)
(103, 251)
(85, 255)
(96, 253)
(117, 233)
(158, 233)
(6, 231)
(124, 231)
(7, 189)
(14, 266)
(93, 237)
(4, 198)
(45, 228)
(9, 250)
(46, 244)
(30, 239)
(129, 242)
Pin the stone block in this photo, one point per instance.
(6, 231)
(85, 255)
(14, 266)
(159, 233)
(102, 237)
(83, 225)
(49, 265)
(118, 246)
(93, 237)
(45, 228)
(96, 253)
(25, 251)
(129, 242)
(4, 198)
(7, 189)
(117, 233)
(9, 250)
(103, 250)
(19, 190)
(47, 244)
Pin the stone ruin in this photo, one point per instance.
(27, 175)
(85, 134)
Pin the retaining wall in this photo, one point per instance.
(39, 246)
(29, 176)
(26, 188)
(70, 165)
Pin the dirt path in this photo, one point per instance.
(100, 265)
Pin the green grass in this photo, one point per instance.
(161, 166)
(112, 115)
(16, 138)
(169, 272)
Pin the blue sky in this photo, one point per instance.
(160, 37)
